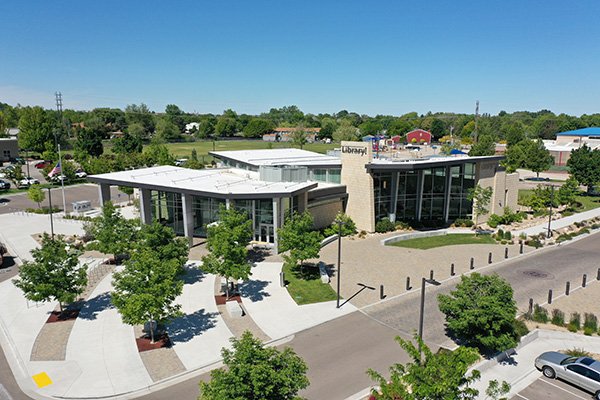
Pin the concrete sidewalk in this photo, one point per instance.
(560, 223)
(519, 369)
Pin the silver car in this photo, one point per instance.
(583, 372)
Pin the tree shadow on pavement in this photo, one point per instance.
(254, 290)
(192, 275)
(94, 306)
(184, 329)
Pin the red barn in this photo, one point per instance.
(418, 136)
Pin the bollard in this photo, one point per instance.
(584, 280)
(452, 269)
(550, 296)
(408, 283)
(567, 288)
(472, 266)
(506, 252)
(598, 275)
(381, 295)
(282, 279)
(431, 274)
(530, 306)
(490, 257)
(521, 247)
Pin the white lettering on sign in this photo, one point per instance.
(354, 150)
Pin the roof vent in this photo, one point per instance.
(283, 173)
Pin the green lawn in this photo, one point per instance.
(306, 287)
(445, 240)
(587, 202)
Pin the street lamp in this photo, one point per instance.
(549, 235)
(423, 282)
(51, 222)
(339, 263)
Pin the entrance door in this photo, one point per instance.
(266, 233)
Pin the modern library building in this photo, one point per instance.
(271, 184)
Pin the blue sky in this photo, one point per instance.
(373, 57)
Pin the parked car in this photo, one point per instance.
(4, 185)
(58, 178)
(80, 173)
(41, 164)
(18, 160)
(28, 181)
(583, 372)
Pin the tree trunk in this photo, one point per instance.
(227, 288)
(60, 307)
(151, 331)
(538, 176)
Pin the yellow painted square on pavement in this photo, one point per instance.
(42, 379)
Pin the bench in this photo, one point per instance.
(234, 309)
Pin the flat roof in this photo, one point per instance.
(592, 131)
(289, 156)
(213, 182)
(409, 164)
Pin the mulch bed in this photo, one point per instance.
(221, 299)
(145, 344)
(66, 315)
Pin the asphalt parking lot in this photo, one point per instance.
(551, 389)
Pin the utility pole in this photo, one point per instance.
(475, 133)
(549, 235)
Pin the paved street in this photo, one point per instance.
(551, 389)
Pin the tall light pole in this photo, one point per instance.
(339, 263)
(424, 281)
(549, 235)
(51, 222)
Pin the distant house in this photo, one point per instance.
(192, 126)
(418, 136)
(13, 132)
(285, 134)
(9, 149)
(116, 134)
(560, 149)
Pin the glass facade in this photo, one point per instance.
(205, 210)
(330, 175)
(166, 208)
(433, 200)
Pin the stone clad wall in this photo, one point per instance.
(505, 186)
(324, 214)
(359, 184)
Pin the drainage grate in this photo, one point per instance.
(535, 273)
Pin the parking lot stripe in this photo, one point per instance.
(564, 390)
(521, 396)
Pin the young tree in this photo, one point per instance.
(128, 190)
(36, 194)
(481, 312)
(54, 273)
(345, 131)
(481, 198)
(36, 128)
(89, 141)
(256, 372)
(167, 130)
(227, 241)
(441, 375)
(299, 136)
(298, 236)
(114, 233)
(485, 146)
(584, 165)
(537, 157)
(146, 289)
(568, 192)
(163, 241)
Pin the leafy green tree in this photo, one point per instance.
(54, 273)
(298, 236)
(36, 194)
(257, 127)
(158, 154)
(568, 192)
(496, 390)
(345, 132)
(485, 146)
(131, 142)
(128, 190)
(584, 165)
(514, 132)
(328, 126)
(36, 128)
(225, 126)
(227, 242)
(370, 127)
(481, 198)
(163, 241)
(140, 114)
(206, 128)
(146, 289)
(541, 198)
(3, 125)
(481, 312)
(114, 233)
(436, 376)
(175, 116)
(348, 225)
(299, 136)
(516, 155)
(254, 371)
(537, 157)
(167, 130)
(89, 141)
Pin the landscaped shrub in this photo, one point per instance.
(385, 225)
(587, 331)
(348, 226)
(534, 242)
(563, 238)
(590, 321)
(574, 322)
(520, 328)
(507, 235)
(362, 234)
(540, 314)
(493, 221)
(464, 222)
(44, 210)
(577, 352)
(595, 226)
(401, 225)
(500, 234)
(506, 219)
(558, 317)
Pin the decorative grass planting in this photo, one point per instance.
(445, 240)
(305, 286)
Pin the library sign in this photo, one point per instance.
(358, 150)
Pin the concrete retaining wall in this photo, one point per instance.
(412, 235)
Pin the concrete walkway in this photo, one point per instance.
(519, 370)
(560, 223)
(275, 312)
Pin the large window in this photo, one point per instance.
(167, 209)
(406, 204)
(463, 179)
(382, 184)
(205, 211)
(434, 187)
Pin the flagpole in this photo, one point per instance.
(62, 181)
